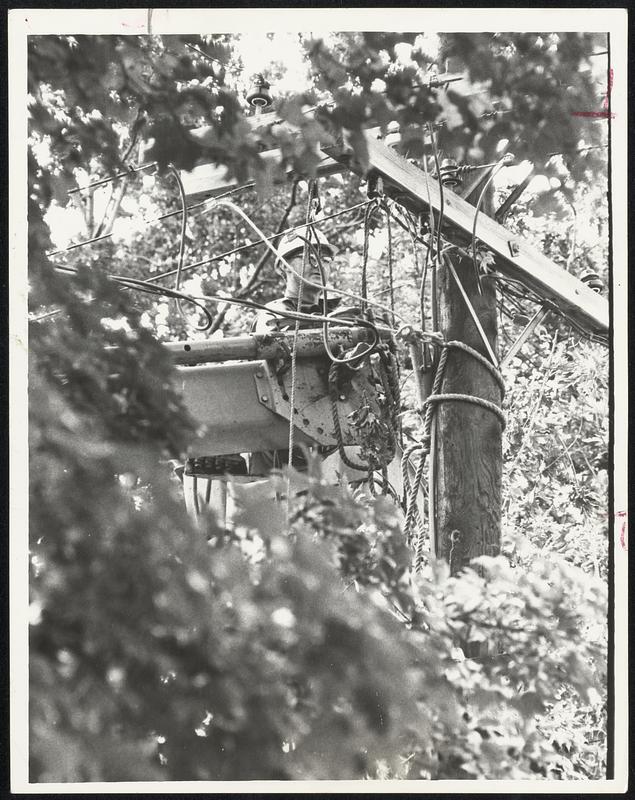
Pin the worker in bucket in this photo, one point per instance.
(317, 268)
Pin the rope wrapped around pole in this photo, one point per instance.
(429, 407)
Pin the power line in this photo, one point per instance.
(249, 245)
(582, 149)
(103, 181)
(169, 214)
(149, 283)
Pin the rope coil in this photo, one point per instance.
(468, 398)
(416, 515)
(484, 362)
(428, 409)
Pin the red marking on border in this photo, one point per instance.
(605, 113)
(623, 516)
(594, 114)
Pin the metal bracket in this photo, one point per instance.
(375, 185)
(409, 334)
(313, 412)
(526, 332)
(502, 211)
(415, 340)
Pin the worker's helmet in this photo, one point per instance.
(293, 243)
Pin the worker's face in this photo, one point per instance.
(312, 275)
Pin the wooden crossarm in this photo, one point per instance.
(516, 258)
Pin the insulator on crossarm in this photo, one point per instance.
(259, 96)
(375, 185)
(593, 281)
(450, 175)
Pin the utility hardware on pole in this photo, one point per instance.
(466, 454)
(515, 258)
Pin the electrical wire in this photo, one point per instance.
(152, 281)
(134, 283)
(513, 301)
(327, 319)
(368, 212)
(306, 260)
(163, 291)
(150, 288)
(194, 206)
(391, 282)
(465, 169)
(292, 269)
(245, 291)
(46, 315)
(532, 297)
(141, 286)
(504, 161)
(249, 245)
(441, 197)
(177, 281)
(103, 181)
(427, 357)
(143, 167)
(470, 308)
(149, 283)
(235, 190)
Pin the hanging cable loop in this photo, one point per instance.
(205, 326)
(355, 357)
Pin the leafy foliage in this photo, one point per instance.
(307, 650)
(535, 82)
(487, 716)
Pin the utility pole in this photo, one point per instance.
(466, 458)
